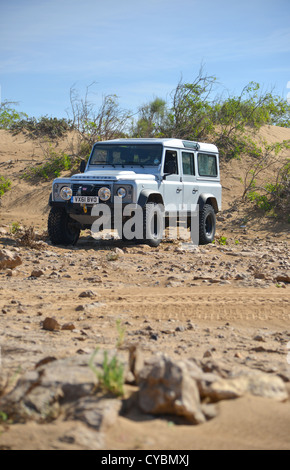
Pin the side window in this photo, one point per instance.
(171, 163)
(188, 163)
(207, 165)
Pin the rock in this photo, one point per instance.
(284, 277)
(97, 413)
(136, 361)
(259, 338)
(166, 387)
(9, 260)
(88, 293)
(95, 279)
(259, 275)
(80, 308)
(79, 434)
(50, 324)
(39, 395)
(119, 251)
(68, 326)
(254, 383)
(37, 273)
(207, 353)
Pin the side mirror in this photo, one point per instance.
(83, 166)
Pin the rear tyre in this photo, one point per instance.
(62, 230)
(207, 225)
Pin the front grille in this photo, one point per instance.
(85, 189)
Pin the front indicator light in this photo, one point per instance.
(122, 192)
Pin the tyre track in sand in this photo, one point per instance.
(208, 303)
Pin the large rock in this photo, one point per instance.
(98, 413)
(9, 260)
(39, 394)
(56, 385)
(166, 387)
(253, 382)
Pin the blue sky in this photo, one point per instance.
(137, 50)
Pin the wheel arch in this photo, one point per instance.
(208, 198)
(147, 196)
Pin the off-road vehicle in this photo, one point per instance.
(139, 187)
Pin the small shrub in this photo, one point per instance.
(261, 200)
(15, 228)
(222, 240)
(28, 238)
(111, 378)
(5, 185)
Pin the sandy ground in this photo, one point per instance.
(225, 302)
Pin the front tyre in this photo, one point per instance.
(62, 230)
(153, 224)
(207, 225)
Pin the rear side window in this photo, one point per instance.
(207, 165)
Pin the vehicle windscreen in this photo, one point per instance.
(126, 154)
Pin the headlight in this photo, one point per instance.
(104, 194)
(66, 193)
(121, 192)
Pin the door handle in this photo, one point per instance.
(194, 190)
(179, 190)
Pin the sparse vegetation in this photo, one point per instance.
(52, 167)
(3, 417)
(45, 126)
(9, 116)
(15, 228)
(5, 185)
(195, 110)
(111, 377)
(222, 240)
(121, 333)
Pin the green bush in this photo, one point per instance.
(9, 116)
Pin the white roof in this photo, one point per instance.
(173, 143)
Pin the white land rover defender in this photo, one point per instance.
(159, 181)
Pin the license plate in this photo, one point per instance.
(85, 199)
